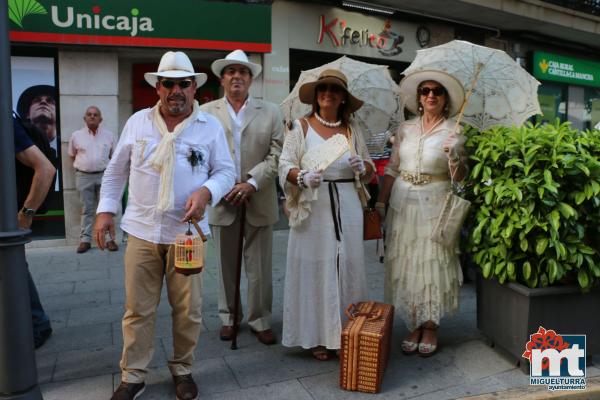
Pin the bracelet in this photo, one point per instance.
(379, 204)
(300, 179)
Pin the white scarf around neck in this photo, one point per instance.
(163, 159)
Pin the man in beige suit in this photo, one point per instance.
(254, 131)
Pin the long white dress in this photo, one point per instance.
(422, 276)
(323, 274)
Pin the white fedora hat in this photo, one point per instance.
(410, 83)
(235, 57)
(175, 64)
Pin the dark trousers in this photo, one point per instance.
(40, 319)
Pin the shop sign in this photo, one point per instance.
(148, 23)
(557, 68)
(341, 34)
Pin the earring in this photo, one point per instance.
(343, 101)
(420, 108)
(446, 108)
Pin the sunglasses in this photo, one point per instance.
(169, 83)
(329, 87)
(437, 91)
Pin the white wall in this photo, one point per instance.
(85, 78)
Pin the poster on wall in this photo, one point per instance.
(35, 100)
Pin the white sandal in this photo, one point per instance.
(410, 347)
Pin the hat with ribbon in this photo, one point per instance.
(331, 76)
(175, 64)
(235, 57)
(411, 82)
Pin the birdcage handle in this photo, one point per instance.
(198, 229)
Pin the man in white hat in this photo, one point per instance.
(177, 162)
(254, 131)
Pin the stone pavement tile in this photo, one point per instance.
(78, 337)
(477, 360)
(45, 363)
(463, 389)
(98, 285)
(326, 387)
(592, 371)
(92, 388)
(91, 315)
(289, 390)
(275, 364)
(54, 289)
(71, 276)
(94, 361)
(211, 346)
(76, 300)
(58, 318)
(40, 266)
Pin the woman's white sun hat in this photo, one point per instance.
(410, 83)
(235, 57)
(175, 64)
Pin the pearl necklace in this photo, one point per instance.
(327, 123)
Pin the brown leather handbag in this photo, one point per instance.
(372, 225)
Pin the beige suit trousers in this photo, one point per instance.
(146, 264)
(257, 259)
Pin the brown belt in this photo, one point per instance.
(422, 179)
(89, 172)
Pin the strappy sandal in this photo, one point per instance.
(321, 353)
(428, 349)
(408, 346)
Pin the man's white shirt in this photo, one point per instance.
(237, 120)
(203, 141)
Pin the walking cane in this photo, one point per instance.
(238, 277)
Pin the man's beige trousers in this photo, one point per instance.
(146, 264)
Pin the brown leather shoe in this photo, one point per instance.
(128, 391)
(83, 247)
(112, 246)
(265, 337)
(185, 387)
(226, 332)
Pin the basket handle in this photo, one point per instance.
(352, 313)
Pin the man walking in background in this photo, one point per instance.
(254, 131)
(35, 176)
(90, 149)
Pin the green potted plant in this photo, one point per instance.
(533, 232)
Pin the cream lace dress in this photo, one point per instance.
(323, 274)
(422, 277)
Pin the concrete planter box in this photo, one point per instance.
(507, 314)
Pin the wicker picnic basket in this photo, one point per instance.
(365, 346)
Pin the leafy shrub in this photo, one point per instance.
(535, 193)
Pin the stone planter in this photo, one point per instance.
(507, 314)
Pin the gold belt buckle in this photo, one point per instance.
(422, 180)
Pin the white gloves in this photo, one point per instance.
(312, 179)
(357, 164)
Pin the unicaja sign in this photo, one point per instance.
(557, 361)
(132, 23)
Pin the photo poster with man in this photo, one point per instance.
(35, 101)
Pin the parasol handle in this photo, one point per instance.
(359, 188)
(468, 95)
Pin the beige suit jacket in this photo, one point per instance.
(261, 142)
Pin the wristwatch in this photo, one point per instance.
(30, 212)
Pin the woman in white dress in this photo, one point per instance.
(422, 276)
(325, 258)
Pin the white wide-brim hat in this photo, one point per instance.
(175, 64)
(410, 83)
(235, 57)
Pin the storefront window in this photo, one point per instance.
(592, 108)
(553, 102)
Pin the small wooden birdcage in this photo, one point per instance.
(189, 253)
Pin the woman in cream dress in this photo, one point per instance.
(325, 258)
(422, 276)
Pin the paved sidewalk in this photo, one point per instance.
(84, 295)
